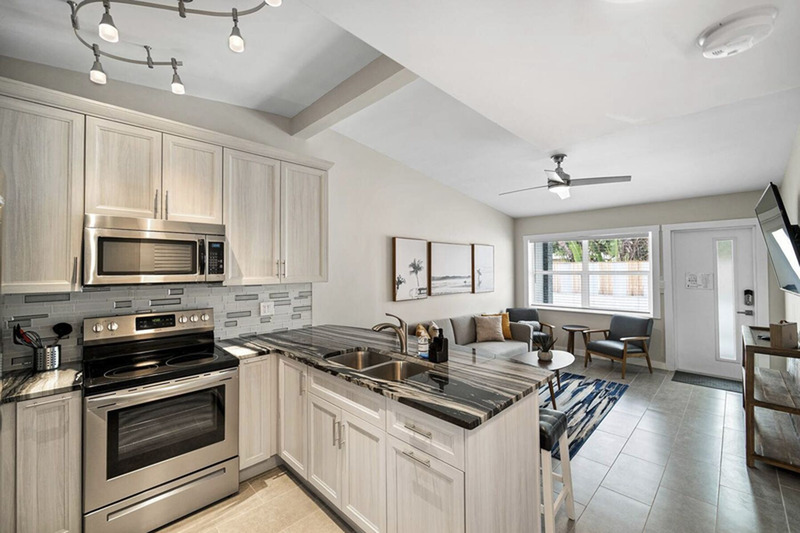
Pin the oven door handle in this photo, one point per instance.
(103, 403)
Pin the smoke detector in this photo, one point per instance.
(737, 33)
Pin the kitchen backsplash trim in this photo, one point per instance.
(40, 312)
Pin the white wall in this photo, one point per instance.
(372, 198)
(723, 207)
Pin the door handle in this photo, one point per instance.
(155, 205)
(341, 438)
(166, 205)
(749, 312)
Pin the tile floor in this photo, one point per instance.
(669, 458)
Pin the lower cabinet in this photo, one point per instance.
(324, 448)
(292, 414)
(48, 449)
(424, 494)
(258, 410)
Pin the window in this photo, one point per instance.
(608, 271)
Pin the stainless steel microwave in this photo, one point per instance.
(130, 251)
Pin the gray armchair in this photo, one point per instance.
(530, 317)
(626, 336)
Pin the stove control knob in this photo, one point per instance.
(97, 328)
(204, 317)
(182, 319)
(113, 326)
(193, 318)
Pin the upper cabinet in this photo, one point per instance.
(304, 217)
(41, 161)
(136, 172)
(192, 180)
(276, 220)
(123, 170)
(252, 218)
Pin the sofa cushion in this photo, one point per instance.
(506, 323)
(612, 347)
(500, 349)
(464, 329)
(489, 328)
(447, 328)
(518, 314)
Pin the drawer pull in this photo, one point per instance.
(418, 431)
(424, 462)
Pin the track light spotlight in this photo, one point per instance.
(235, 41)
(107, 30)
(97, 74)
(177, 84)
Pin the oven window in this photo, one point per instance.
(152, 432)
(130, 257)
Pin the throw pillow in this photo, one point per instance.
(489, 328)
(506, 324)
(532, 323)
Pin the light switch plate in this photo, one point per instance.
(267, 308)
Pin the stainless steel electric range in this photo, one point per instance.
(161, 419)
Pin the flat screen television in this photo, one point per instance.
(782, 237)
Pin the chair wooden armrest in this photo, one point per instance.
(587, 333)
(627, 339)
(546, 325)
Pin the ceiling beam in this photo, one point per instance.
(375, 81)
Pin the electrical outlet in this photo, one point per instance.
(267, 308)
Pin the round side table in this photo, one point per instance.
(561, 359)
(572, 329)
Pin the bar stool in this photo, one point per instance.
(552, 429)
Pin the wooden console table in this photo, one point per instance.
(771, 430)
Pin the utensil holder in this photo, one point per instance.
(47, 358)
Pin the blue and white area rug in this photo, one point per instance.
(586, 401)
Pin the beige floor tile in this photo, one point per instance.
(273, 515)
(619, 423)
(674, 512)
(760, 481)
(666, 423)
(602, 447)
(652, 447)
(634, 478)
(317, 522)
(739, 512)
(273, 483)
(695, 479)
(609, 512)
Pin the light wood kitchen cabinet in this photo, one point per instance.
(292, 414)
(324, 445)
(424, 494)
(258, 410)
(363, 473)
(41, 160)
(252, 218)
(304, 224)
(48, 451)
(123, 170)
(192, 180)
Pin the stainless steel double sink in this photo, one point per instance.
(378, 365)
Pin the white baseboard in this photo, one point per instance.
(256, 470)
(638, 361)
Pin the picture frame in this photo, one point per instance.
(450, 268)
(482, 268)
(409, 269)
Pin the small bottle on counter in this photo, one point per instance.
(422, 346)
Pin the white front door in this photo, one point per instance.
(713, 284)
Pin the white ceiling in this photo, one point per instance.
(293, 55)
(738, 147)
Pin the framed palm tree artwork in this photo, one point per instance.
(410, 269)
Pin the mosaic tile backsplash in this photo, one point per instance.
(236, 311)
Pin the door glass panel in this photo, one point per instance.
(149, 433)
(726, 300)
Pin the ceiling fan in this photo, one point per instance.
(559, 181)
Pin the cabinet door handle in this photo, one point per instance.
(302, 383)
(335, 430)
(75, 270)
(424, 462)
(341, 438)
(284, 268)
(278, 268)
(166, 205)
(155, 205)
(418, 431)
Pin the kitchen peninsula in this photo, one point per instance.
(451, 448)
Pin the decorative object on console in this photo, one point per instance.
(482, 268)
(545, 346)
(451, 268)
(409, 272)
(783, 334)
(108, 31)
(489, 329)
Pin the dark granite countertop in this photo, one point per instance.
(20, 385)
(466, 391)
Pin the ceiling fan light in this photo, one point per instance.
(562, 191)
(107, 30)
(274, 3)
(235, 41)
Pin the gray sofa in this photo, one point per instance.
(460, 331)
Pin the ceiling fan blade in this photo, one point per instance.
(523, 190)
(599, 180)
(554, 175)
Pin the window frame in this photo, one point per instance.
(656, 282)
